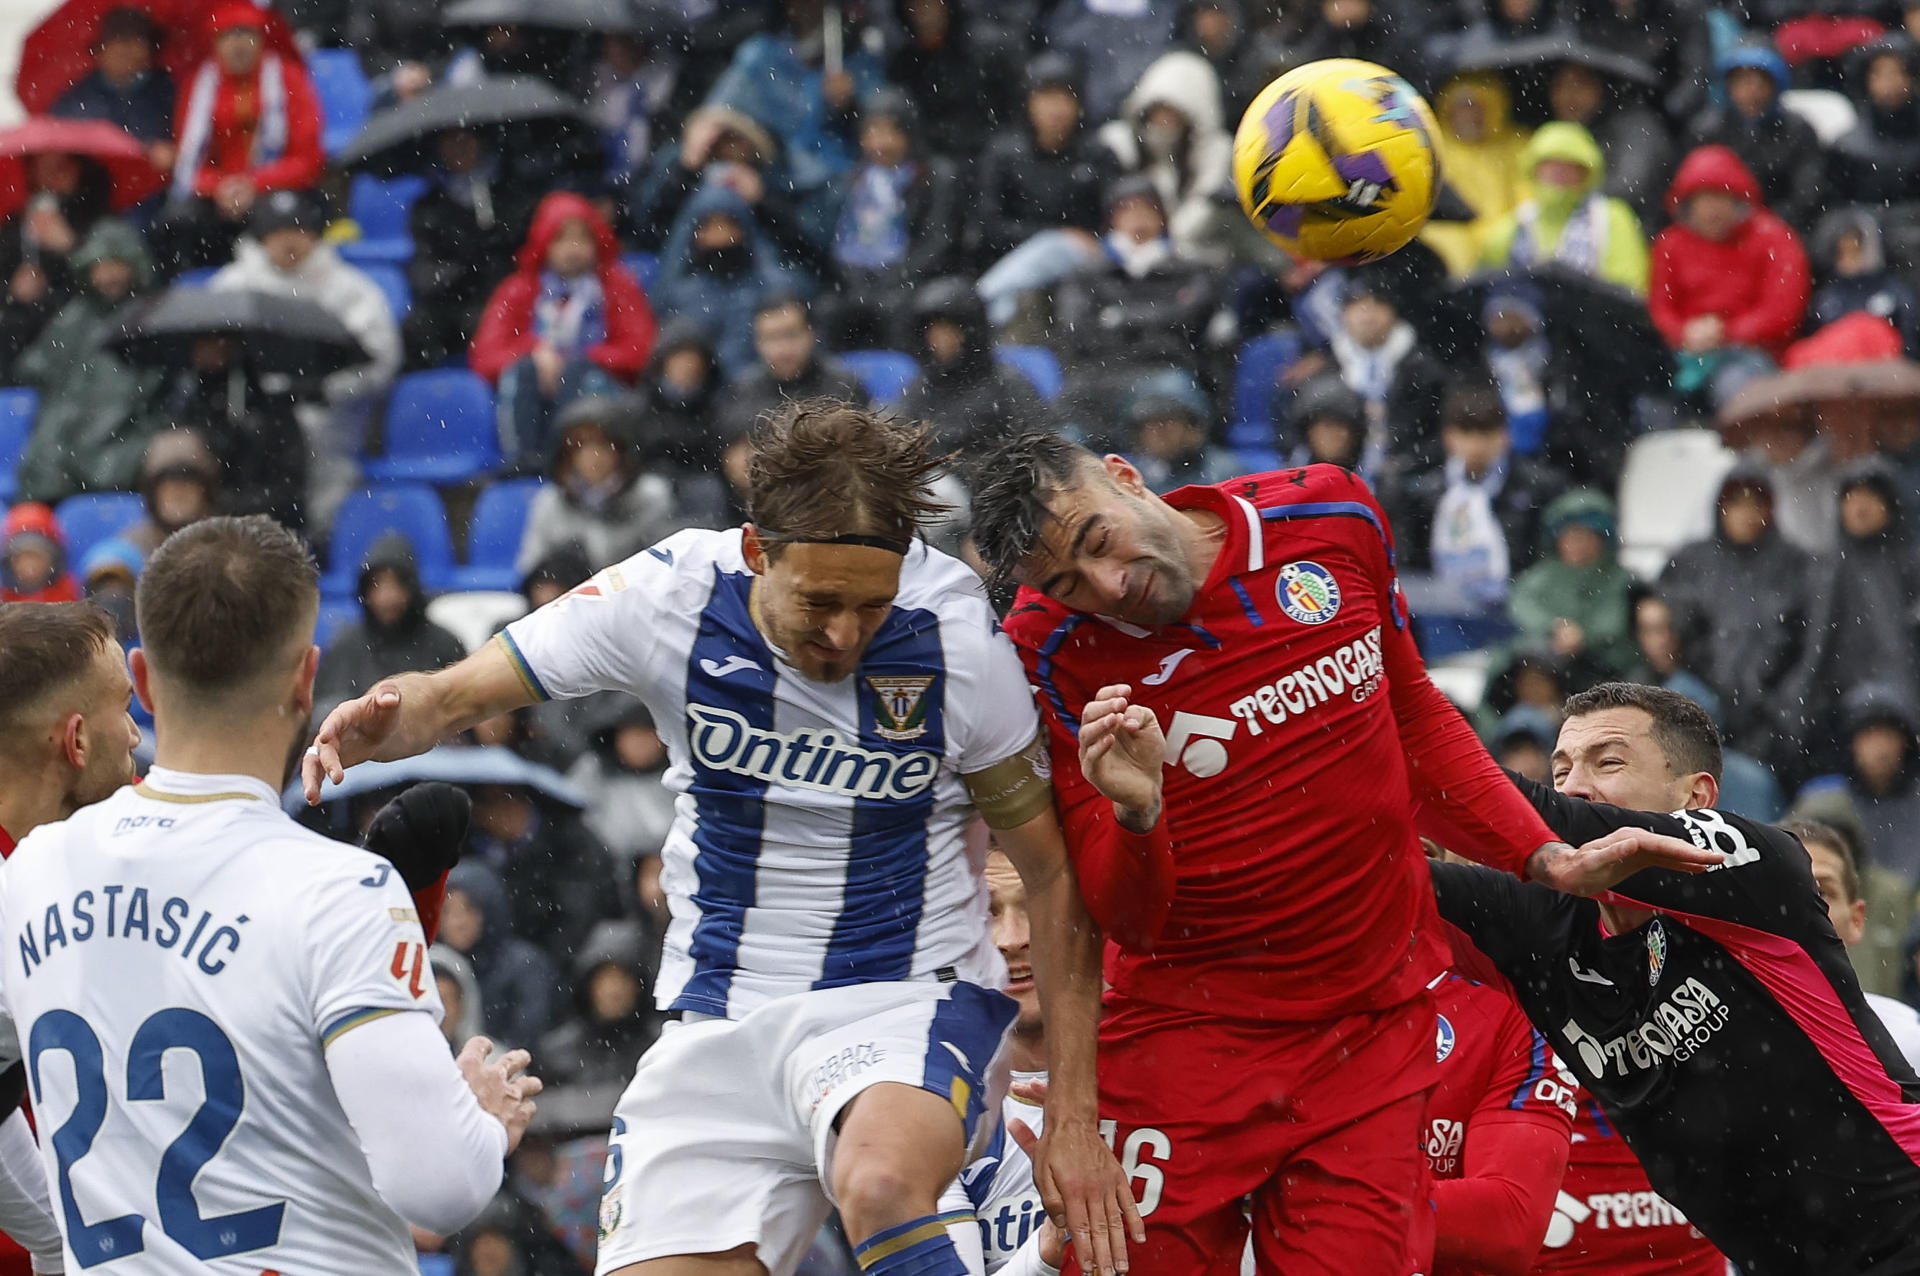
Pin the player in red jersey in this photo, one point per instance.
(1608, 1220)
(1241, 729)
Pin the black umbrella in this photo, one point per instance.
(558, 15)
(396, 139)
(277, 334)
(1481, 53)
(1607, 324)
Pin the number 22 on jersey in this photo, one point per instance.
(205, 1134)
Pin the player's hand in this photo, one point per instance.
(1122, 753)
(1085, 1192)
(504, 1087)
(349, 737)
(421, 832)
(1607, 861)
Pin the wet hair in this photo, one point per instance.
(1014, 484)
(1682, 729)
(1811, 832)
(222, 600)
(45, 648)
(823, 469)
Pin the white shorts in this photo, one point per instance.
(725, 1136)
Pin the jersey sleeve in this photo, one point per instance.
(365, 954)
(1512, 923)
(600, 636)
(988, 700)
(1528, 1082)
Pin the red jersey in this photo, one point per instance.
(6, 844)
(1286, 881)
(1609, 1221)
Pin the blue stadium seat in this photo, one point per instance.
(884, 374)
(195, 278)
(91, 517)
(1443, 635)
(440, 429)
(380, 209)
(1037, 364)
(1257, 460)
(18, 407)
(1244, 435)
(393, 282)
(345, 96)
(413, 510)
(493, 538)
(335, 615)
(643, 266)
(1256, 374)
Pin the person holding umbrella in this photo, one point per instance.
(248, 122)
(50, 204)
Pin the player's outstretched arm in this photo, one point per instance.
(1083, 1187)
(1605, 862)
(435, 1132)
(411, 713)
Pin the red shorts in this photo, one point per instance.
(1311, 1129)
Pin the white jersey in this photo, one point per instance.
(174, 961)
(1903, 1024)
(820, 836)
(999, 1184)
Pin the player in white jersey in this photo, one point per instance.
(227, 1021)
(838, 704)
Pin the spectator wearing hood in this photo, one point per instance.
(1217, 31)
(897, 226)
(1752, 613)
(1850, 254)
(719, 264)
(1364, 29)
(65, 196)
(682, 388)
(559, 879)
(962, 392)
(1480, 151)
(33, 557)
(554, 575)
(180, 483)
(1878, 160)
(1778, 146)
(629, 806)
(1473, 523)
(1876, 588)
(1881, 777)
(108, 576)
(248, 122)
(1170, 434)
(1727, 273)
(613, 1020)
(1327, 423)
(790, 366)
(1141, 304)
(125, 86)
(252, 430)
(604, 494)
(1575, 599)
(1569, 221)
(1671, 36)
(84, 438)
(1170, 131)
(1637, 145)
(720, 144)
(518, 981)
(462, 1019)
(284, 253)
(779, 77)
(960, 82)
(465, 228)
(1112, 44)
(1378, 354)
(1040, 180)
(570, 320)
(393, 634)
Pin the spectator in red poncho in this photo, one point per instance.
(33, 558)
(1729, 278)
(248, 122)
(569, 321)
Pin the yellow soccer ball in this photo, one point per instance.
(1335, 161)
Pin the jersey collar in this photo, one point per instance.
(192, 788)
(6, 844)
(1245, 547)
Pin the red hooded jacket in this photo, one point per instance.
(1756, 280)
(237, 111)
(37, 520)
(507, 334)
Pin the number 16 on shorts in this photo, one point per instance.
(1142, 1155)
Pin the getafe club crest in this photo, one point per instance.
(1307, 592)
(1656, 950)
(900, 706)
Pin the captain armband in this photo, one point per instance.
(1011, 792)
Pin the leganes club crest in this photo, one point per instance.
(900, 706)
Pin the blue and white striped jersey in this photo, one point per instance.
(822, 833)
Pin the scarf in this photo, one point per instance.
(1582, 242)
(570, 314)
(1469, 544)
(269, 134)
(872, 234)
(1522, 374)
(1134, 258)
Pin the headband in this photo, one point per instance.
(891, 544)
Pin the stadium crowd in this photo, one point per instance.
(1672, 278)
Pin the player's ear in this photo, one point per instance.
(1124, 473)
(753, 550)
(303, 686)
(142, 672)
(1703, 790)
(74, 742)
